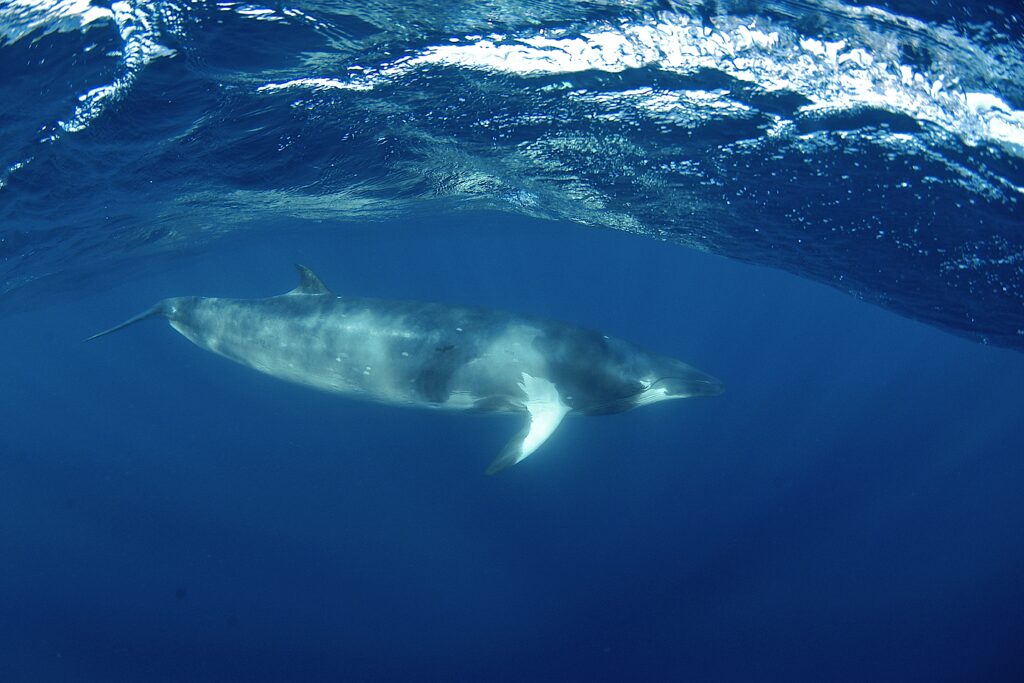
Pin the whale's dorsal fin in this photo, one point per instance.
(546, 411)
(309, 283)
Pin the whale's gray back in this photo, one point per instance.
(390, 351)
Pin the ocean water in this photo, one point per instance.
(818, 203)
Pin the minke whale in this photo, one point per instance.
(433, 355)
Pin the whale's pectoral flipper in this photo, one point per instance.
(546, 410)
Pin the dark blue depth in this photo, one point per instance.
(848, 510)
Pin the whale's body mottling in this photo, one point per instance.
(433, 355)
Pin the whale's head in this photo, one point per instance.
(599, 374)
(653, 378)
(668, 378)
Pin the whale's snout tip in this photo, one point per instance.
(690, 384)
(702, 385)
(717, 387)
(709, 386)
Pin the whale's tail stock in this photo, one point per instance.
(161, 309)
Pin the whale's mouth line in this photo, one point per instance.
(702, 386)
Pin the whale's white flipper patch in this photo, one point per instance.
(546, 411)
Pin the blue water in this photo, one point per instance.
(710, 181)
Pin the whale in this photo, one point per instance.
(433, 355)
